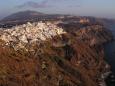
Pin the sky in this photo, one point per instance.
(97, 8)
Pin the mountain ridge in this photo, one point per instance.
(28, 14)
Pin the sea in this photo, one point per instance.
(110, 57)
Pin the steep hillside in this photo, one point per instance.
(52, 57)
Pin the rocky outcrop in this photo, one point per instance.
(94, 35)
(57, 58)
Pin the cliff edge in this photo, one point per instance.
(46, 55)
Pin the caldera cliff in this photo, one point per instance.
(44, 54)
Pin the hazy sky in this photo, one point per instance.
(98, 8)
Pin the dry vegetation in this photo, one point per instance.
(64, 60)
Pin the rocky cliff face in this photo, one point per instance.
(94, 35)
(52, 57)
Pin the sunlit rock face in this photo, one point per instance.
(30, 32)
